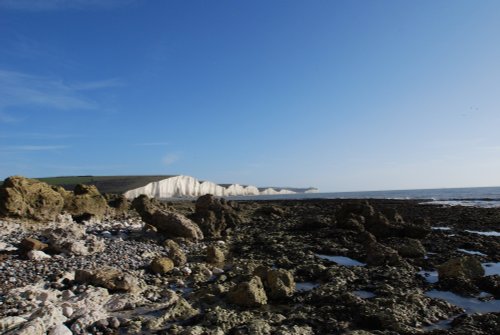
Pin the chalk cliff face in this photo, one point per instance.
(186, 186)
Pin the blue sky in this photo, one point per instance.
(341, 95)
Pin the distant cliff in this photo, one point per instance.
(186, 186)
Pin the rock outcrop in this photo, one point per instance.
(29, 199)
(214, 215)
(466, 267)
(86, 203)
(249, 293)
(168, 223)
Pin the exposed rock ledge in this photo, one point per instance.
(186, 186)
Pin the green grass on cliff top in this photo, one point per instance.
(105, 184)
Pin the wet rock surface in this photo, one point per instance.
(266, 267)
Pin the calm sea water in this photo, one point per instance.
(473, 196)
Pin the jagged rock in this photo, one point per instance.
(10, 322)
(379, 254)
(146, 207)
(178, 310)
(33, 244)
(491, 284)
(214, 215)
(215, 255)
(380, 226)
(87, 202)
(34, 327)
(411, 248)
(119, 202)
(466, 267)
(351, 222)
(175, 253)
(110, 278)
(313, 223)
(280, 283)
(161, 265)
(270, 210)
(248, 294)
(29, 198)
(419, 229)
(73, 240)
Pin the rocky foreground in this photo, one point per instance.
(83, 263)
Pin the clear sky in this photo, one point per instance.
(341, 95)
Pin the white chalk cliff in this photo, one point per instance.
(186, 186)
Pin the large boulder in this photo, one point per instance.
(280, 283)
(249, 294)
(173, 225)
(145, 206)
(29, 198)
(87, 202)
(466, 267)
(214, 215)
(166, 222)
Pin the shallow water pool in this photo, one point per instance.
(364, 294)
(471, 252)
(470, 305)
(491, 269)
(305, 286)
(484, 233)
(341, 260)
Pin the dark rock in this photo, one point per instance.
(379, 254)
(120, 203)
(214, 215)
(33, 244)
(248, 294)
(215, 255)
(466, 267)
(411, 248)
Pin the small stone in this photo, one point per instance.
(67, 294)
(60, 330)
(162, 265)
(33, 244)
(215, 255)
(67, 311)
(114, 322)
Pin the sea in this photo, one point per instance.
(488, 197)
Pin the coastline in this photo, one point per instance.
(397, 245)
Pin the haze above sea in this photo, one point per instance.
(471, 196)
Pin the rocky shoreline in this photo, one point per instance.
(83, 263)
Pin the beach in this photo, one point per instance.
(211, 266)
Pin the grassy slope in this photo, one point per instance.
(105, 184)
(119, 184)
